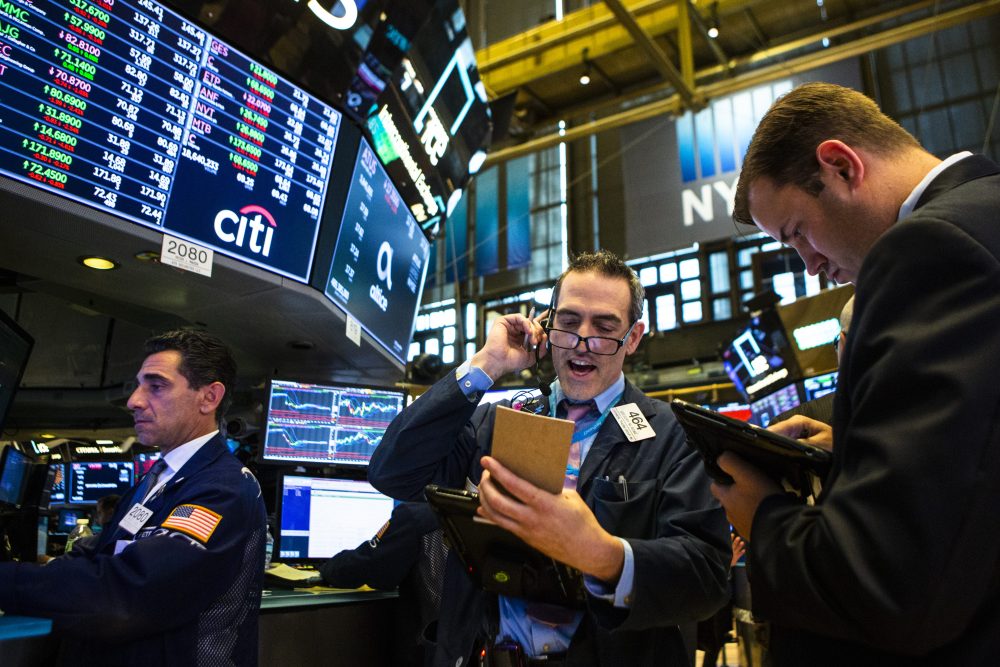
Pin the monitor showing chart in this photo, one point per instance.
(327, 424)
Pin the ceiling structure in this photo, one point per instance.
(646, 58)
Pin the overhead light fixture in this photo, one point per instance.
(713, 31)
(98, 263)
(585, 77)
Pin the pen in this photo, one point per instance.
(621, 480)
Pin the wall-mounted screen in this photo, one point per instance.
(14, 468)
(327, 424)
(380, 259)
(320, 517)
(55, 482)
(129, 108)
(760, 360)
(91, 481)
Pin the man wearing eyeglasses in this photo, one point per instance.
(636, 517)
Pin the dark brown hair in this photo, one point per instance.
(783, 148)
(204, 359)
(610, 265)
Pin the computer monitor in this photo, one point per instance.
(14, 470)
(319, 517)
(324, 424)
(89, 481)
(734, 410)
(66, 520)
(767, 408)
(821, 385)
(56, 484)
(760, 359)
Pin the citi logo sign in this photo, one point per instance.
(233, 228)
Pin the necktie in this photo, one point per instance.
(575, 412)
(148, 482)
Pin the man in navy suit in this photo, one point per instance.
(175, 576)
(635, 517)
(899, 560)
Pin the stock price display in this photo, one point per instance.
(324, 424)
(125, 106)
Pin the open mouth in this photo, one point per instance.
(580, 368)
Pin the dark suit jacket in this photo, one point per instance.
(677, 531)
(173, 596)
(899, 562)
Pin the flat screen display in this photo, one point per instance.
(320, 517)
(127, 107)
(14, 467)
(766, 409)
(66, 521)
(56, 482)
(380, 259)
(821, 385)
(759, 360)
(90, 481)
(327, 424)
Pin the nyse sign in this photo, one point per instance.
(685, 193)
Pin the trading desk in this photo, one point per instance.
(316, 626)
(303, 626)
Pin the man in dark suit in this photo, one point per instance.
(175, 576)
(636, 516)
(898, 561)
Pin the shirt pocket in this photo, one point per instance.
(625, 509)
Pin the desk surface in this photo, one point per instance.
(19, 627)
(280, 598)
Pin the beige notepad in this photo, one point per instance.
(533, 447)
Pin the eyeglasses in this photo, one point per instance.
(568, 340)
(836, 340)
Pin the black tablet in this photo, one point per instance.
(498, 560)
(784, 459)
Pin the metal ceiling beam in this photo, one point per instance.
(672, 104)
(656, 55)
(555, 46)
(638, 96)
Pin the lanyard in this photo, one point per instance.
(591, 430)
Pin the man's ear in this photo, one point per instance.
(211, 397)
(634, 337)
(838, 162)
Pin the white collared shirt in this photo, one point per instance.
(177, 457)
(911, 202)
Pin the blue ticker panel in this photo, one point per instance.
(325, 424)
(125, 106)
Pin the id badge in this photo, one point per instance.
(633, 422)
(135, 519)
